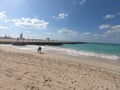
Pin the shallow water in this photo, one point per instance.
(106, 51)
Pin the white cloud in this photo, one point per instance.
(49, 33)
(108, 16)
(82, 1)
(4, 27)
(86, 34)
(112, 30)
(118, 13)
(104, 26)
(2, 15)
(67, 32)
(96, 35)
(61, 16)
(7, 20)
(29, 23)
(116, 27)
(89, 35)
(116, 31)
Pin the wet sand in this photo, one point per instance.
(23, 70)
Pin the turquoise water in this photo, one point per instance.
(102, 49)
(111, 49)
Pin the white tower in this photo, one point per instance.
(21, 36)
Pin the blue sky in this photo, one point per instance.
(73, 20)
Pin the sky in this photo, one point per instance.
(68, 20)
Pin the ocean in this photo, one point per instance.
(106, 51)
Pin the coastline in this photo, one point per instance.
(91, 60)
(55, 71)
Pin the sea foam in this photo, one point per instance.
(68, 51)
(82, 52)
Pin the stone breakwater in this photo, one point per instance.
(36, 42)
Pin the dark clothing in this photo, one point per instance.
(39, 49)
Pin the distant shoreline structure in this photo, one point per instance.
(36, 42)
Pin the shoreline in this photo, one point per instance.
(71, 52)
(25, 70)
(92, 60)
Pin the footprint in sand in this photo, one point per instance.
(18, 77)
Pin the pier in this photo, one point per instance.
(36, 42)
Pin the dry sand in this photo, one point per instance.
(23, 70)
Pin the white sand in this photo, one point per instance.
(23, 70)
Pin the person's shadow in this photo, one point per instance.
(42, 53)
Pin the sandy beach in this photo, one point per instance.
(23, 70)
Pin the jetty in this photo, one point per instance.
(36, 42)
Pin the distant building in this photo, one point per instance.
(47, 39)
(21, 36)
(6, 37)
